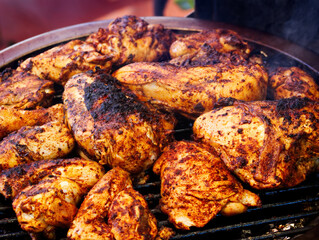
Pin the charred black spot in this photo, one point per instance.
(105, 100)
(291, 103)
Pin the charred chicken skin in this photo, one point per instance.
(24, 91)
(268, 144)
(84, 172)
(112, 127)
(113, 210)
(49, 141)
(196, 185)
(223, 40)
(193, 90)
(62, 62)
(292, 82)
(131, 39)
(12, 119)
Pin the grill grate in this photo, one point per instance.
(285, 213)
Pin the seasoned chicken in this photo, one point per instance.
(223, 40)
(196, 185)
(113, 210)
(43, 207)
(193, 90)
(268, 144)
(60, 63)
(49, 141)
(131, 39)
(84, 172)
(130, 218)
(292, 82)
(112, 127)
(24, 91)
(12, 119)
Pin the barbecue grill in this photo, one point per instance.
(285, 213)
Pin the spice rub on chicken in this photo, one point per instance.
(113, 210)
(268, 144)
(286, 82)
(196, 186)
(111, 126)
(193, 90)
(131, 39)
(23, 90)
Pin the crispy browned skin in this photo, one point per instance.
(12, 119)
(196, 185)
(24, 91)
(130, 218)
(292, 82)
(84, 172)
(222, 40)
(49, 141)
(131, 39)
(49, 204)
(60, 63)
(268, 144)
(192, 90)
(112, 127)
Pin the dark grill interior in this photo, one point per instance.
(285, 213)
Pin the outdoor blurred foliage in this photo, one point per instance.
(185, 4)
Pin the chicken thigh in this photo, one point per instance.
(12, 119)
(292, 82)
(131, 39)
(196, 185)
(268, 144)
(84, 172)
(24, 90)
(60, 63)
(112, 127)
(113, 210)
(49, 141)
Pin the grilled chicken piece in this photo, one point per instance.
(292, 82)
(113, 210)
(223, 40)
(131, 39)
(130, 218)
(112, 127)
(49, 141)
(60, 63)
(196, 185)
(43, 207)
(12, 119)
(193, 90)
(24, 91)
(84, 172)
(268, 144)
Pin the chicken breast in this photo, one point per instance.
(24, 91)
(62, 62)
(12, 119)
(222, 40)
(193, 90)
(196, 186)
(43, 207)
(84, 172)
(113, 210)
(268, 144)
(49, 141)
(112, 127)
(292, 82)
(131, 39)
